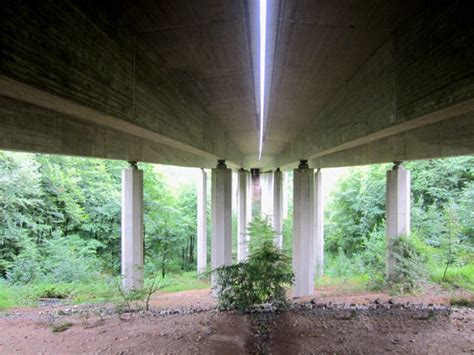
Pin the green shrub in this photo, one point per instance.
(61, 259)
(262, 279)
(27, 266)
(260, 232)
(409, 269)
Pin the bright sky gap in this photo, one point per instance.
(263, 35)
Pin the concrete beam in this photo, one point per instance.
(79, 67)
(303, 230)
(202, 223)
(132, 228)
(30, 128)
(446, 138)
(398, 210)
(395, 91)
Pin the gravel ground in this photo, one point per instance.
(188, 323)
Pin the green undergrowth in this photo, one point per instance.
(353, 283)
(99, 290)
(456, 277)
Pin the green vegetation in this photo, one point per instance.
(99, 290)
(262, 278)
(441, 246)
(60, 231)
(409, 269)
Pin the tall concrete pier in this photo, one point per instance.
(132, 227)
(398, 209)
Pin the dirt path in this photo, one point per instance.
(186, 323)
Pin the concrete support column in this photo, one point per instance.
(132, 227)
(266, 181)
(278, 207)
(249, 200)
(202, 223)
(398, 209)
(303, 230)
(285, 195)
(242, 215)
(221, 242)
(319, 223)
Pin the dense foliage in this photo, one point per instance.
(442, 219)
(60, 219)
(60, 229)
(262, 278)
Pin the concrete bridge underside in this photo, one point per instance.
(175, 82)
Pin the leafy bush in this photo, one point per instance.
(260, 232)
(262, 279)
(409, 267)
(62, 259)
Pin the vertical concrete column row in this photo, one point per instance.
(221, 210)
(242, 215)
(303, 230)
(132, 227)
(202, 223)
(278, 207)
(319, 223)
(398, 209)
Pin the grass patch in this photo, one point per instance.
(7, 296)
(353, 283)
(100, 290)
(183, 282)
(456, 277)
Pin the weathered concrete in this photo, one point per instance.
(303, 230)
(31, 128)
(277, 221)
(441, 139)
(242, 215)
(249, 198)
(345, 77)
(95, 68)
(132, 228)
(398, 209)
(202, 223)
(394, 91)
(266, 183)
(285, 195)
(221, 219)
(319, 223)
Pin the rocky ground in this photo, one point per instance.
(187, 322)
